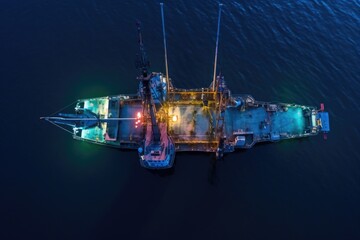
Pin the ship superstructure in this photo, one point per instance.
(161, 119)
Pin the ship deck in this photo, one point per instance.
(129, 131)
(125, 133)
(192, 124)
(193, 128)
(264, 124)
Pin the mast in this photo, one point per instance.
(165, 50)
(86, 119)
(216, 48)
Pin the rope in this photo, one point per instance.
(61, 127)
(87, 119)
(63, 108)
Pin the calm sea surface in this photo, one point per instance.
(54, 52)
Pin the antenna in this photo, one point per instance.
(216, 49)
(166, 63)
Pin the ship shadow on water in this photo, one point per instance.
(213, 163)
(212, 173)
(163, 172)
(213, 176)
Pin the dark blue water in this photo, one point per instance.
(54, 52)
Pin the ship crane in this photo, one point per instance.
(217, 83)
(142, 64)
(157, 150)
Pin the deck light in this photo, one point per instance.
(299, 113)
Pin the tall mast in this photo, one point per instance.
(165, 50)
(216, 49)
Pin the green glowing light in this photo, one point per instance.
(99, 106)
(291, 121)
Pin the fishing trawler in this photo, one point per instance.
(160, 119)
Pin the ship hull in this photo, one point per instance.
(195, 125)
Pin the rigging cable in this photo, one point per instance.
(61, 127)
(63, 108)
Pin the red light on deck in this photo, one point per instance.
(138, 117)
